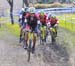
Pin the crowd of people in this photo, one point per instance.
(28, 19)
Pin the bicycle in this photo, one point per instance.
(42, 34)
(29, 35)
(53, 34)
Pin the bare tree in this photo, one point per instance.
(11, 10)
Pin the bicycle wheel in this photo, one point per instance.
(53, 36)
(40, 39)
(29, 50)
(24, 42)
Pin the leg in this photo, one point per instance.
(21, 31)
(25, 41)
(34, 42)
(56, 31)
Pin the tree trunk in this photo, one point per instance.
(11, 10)
(26, 3)
(11, 14)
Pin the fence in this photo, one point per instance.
(59, 10)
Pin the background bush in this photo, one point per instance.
(53, 5)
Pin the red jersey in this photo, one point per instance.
(32, 20)
(53, 21)
(43, 19)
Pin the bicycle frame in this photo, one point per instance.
(53, 33)
(30, 36)
(43, 34)
(30, 39)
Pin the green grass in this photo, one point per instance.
(1, 28)
(1, 19)
(14, 29)
(67, 21)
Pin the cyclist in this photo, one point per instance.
(43, 20)
(22, 15)
(53, 21)
(32, 21)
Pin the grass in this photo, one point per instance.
(1, 19)
(14, 29)
(67, 21)
(1, 33)
(1, 28)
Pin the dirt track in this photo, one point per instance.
(12, 53)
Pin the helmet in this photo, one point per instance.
(32, 10)
(23, 9)
(42, 12)
(53, 16)
(26, 9)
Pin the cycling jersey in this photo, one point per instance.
(32, 21)
(43, 19)
(53, 21)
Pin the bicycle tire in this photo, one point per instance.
(29, 50)
(24, 41)
(42, 37)
(28, 56)
(53, 35)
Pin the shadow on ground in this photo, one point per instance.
(56, 54)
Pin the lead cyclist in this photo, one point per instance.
(53, 22)
(31, 20)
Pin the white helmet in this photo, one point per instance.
(23, 9)
(53, 16)
(32, 10)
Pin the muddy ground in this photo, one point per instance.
(59, 54)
